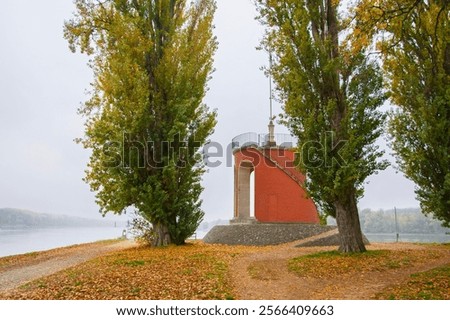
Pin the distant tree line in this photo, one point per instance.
(16, 218)
(410, 220)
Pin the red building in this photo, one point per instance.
(278, 193)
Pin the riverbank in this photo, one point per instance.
(19, 269)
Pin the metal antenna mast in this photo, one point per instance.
(271, 138)
(270, 86)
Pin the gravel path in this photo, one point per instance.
(62, 259)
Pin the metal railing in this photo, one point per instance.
(252, 139)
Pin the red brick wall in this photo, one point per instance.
(278, 196)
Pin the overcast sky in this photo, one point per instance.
(42, 84)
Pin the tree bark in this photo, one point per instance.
(161, 235)
(349, 227)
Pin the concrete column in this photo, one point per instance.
(244, 192)
(236, 192)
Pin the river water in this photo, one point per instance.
(409, 237)
(17, 241)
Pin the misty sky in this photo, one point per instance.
(42, 84)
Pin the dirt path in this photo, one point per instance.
(54, 261)
(273, 281)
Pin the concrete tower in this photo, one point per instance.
(279, 195)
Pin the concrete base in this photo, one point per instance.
(262, 234)
(244, 221)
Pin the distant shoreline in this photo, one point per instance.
(31, 228)
(11, 218)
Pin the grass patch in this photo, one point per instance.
(430, 285)
(130, 263)
(331, 264)
(254, 272)
(258, 270)
(41, 284)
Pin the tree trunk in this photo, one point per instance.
(161, 235)
(347, 219)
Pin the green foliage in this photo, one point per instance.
(331, 97)
(145, 117)
(416, 55)
(323, 219)
(142, 229)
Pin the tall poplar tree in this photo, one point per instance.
(331, 95)
(145, 119)
(414, 42)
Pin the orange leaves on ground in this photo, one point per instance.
(194, 271)
(201, 271)
(333, 264)
(431, 285)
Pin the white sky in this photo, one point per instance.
(42, 84)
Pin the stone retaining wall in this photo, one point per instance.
(263, 234)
